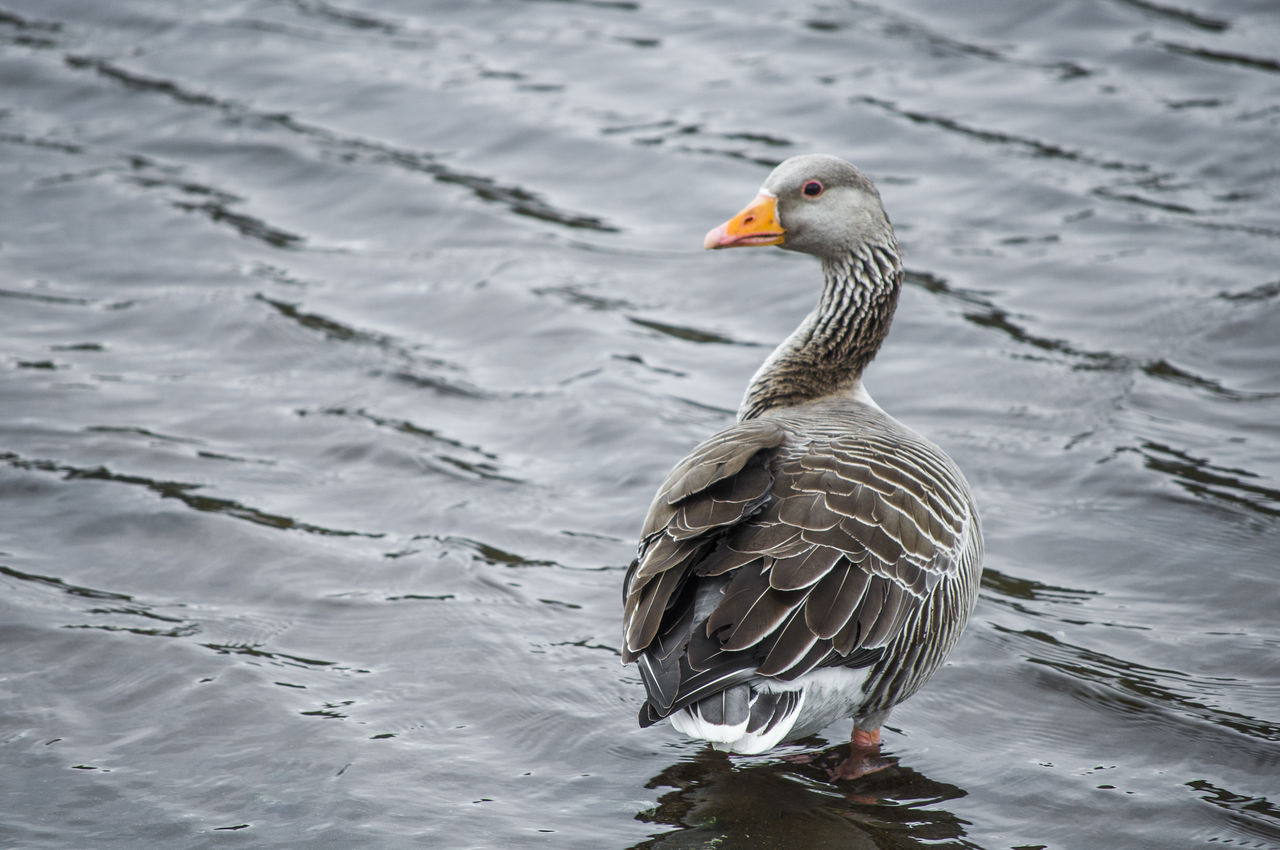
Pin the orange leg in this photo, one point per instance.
(865, 739)
(864, 752)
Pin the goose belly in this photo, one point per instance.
(830, 694)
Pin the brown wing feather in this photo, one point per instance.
(790, 647)
(706, 492)
(765, 534)
(649, 602)
(723, 503)
(804, 568)
(835, 599)
(718, 458)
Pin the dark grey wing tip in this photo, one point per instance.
(648, 716)
(768, 710)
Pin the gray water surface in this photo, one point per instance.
(343, 344)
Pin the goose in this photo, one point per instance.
(817, 559)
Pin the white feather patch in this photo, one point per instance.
(690, 721)
(826, 695)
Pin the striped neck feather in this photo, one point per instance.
(830, 349)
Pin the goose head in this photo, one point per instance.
(815, 204)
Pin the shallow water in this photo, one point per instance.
(345, 343)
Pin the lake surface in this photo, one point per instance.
(343, 344)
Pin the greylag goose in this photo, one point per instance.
(817, 559)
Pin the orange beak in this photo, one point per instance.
(756, 225)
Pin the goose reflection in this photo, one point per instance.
(728, 802)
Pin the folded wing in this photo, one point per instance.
(770, 554)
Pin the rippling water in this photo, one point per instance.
(345, 343)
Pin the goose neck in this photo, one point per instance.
(830, 349)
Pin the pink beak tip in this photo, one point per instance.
(715, 238)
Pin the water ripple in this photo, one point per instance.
(1035, 147)
(481, 465)
(994, 317)
(516, 198)
(1134, 688)
(184, 492)
(1202, 478)
(1185, 16)
(1253, 63)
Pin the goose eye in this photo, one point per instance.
(813, 188)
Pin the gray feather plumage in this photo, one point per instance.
(817, 531)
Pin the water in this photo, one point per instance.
(345, 343)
